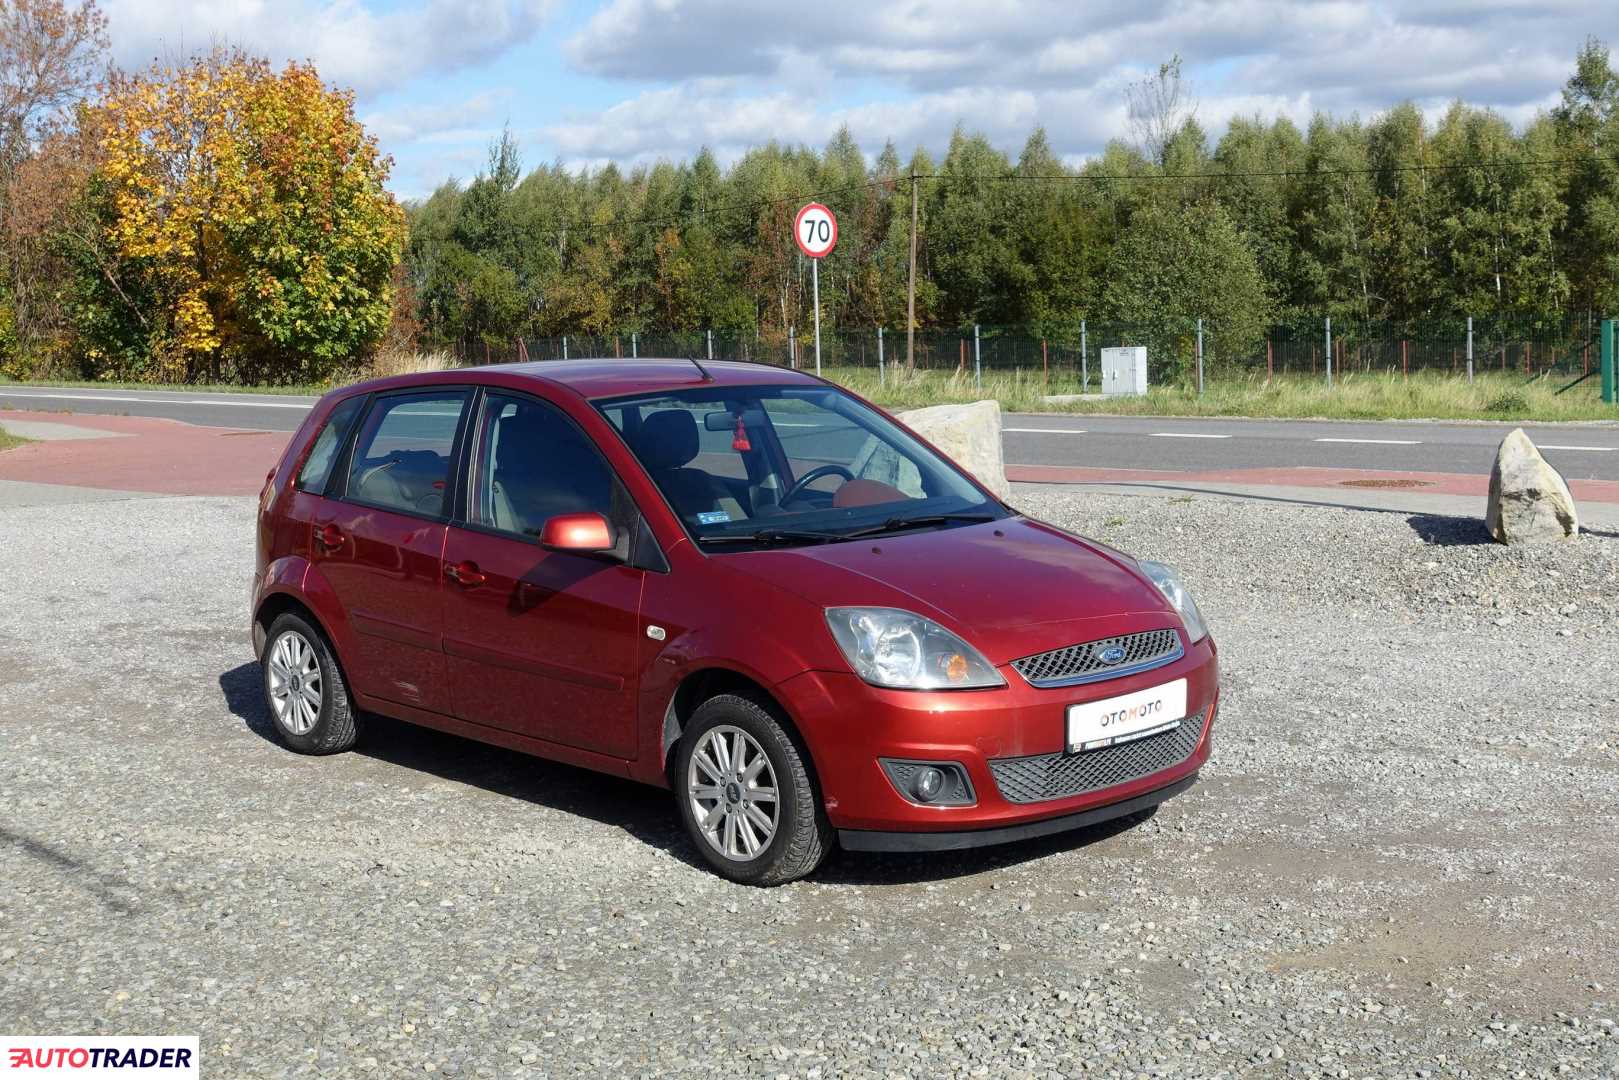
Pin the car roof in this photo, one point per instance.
(607, 377)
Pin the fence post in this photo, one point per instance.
(564, 346)
(882, 377)
(635, 344)
(1610, 392)
(978, 368)
(792, 347)
(1084, 361)
(1470, 348)
(710, 345)
(1270, 360)
(1329, 352)
(1199, 357)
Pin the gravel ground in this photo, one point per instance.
(1400, 862)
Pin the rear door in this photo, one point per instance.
(379, 542)
(538, 642)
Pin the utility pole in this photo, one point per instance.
(910, 290)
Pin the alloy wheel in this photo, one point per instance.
(296, 690)
(732, 788)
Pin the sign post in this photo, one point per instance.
(1610, 384)
(816, 231)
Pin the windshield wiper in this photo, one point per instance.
(895, 524)
(773, 536)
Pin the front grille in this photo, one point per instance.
(1058, 776)
(1083, 663)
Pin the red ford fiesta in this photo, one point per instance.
(735, 581)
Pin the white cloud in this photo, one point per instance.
(733, 73)
(440, 122)
(353, 43)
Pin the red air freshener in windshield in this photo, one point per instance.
(739, 440)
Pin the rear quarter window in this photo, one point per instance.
(317, 467)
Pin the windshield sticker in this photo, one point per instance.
(712, 517)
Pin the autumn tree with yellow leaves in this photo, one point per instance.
(242, 231)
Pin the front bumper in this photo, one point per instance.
(873, 840)
(849, 725)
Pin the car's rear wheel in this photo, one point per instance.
(304, 688)
(746, 795)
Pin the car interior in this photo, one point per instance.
(539, 466)
(721, 462)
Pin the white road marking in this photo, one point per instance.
(1589, 449)
(1378, 442)
(4, 394)
(1046, 430)
(1184, 435)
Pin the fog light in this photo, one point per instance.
(930, 783)
(926, 784)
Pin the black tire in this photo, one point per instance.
(803, 836)
(336, 726)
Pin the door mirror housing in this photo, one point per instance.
(587, 532)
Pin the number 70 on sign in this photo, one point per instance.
(816, 230)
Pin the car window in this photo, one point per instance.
(402, 455)
(532, 464)
(318, 465)
(813, 436)
(734, 460)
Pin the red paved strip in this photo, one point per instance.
(165, 457)
(1604, 491)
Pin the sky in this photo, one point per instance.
(586, 82)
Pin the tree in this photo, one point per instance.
(50, 55)
(1158, 107)
(1176, 264)
(244, 215)
(1587, 138)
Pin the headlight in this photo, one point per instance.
(1169, 583)
(894, 648)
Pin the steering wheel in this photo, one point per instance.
(809, 478)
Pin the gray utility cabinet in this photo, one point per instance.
(1124, 370)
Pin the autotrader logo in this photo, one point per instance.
(167, 1056)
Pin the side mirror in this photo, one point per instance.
(577, 532)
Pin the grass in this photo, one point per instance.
(9, 441)
(1424, 396)
(1352, 397)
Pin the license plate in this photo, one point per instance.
(1128, 716)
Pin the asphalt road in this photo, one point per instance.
(1582, 451)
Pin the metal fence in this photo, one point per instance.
(1180, 349)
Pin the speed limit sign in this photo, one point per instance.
(816, 231)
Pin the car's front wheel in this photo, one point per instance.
(304, 688)
(746, 795)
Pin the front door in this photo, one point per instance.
(380, 541)
(538, 642)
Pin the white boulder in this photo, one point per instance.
(1528, 499)
(971, 434)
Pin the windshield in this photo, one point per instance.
(762, 466)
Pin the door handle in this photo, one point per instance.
(466, 574)
(329, 537)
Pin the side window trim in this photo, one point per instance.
(452, 483)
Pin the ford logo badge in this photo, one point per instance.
(1111, 655)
